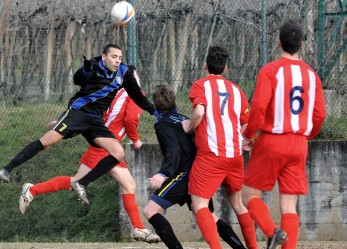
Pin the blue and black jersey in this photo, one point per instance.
(177, 147)
(100, 86)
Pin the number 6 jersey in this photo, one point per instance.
(288, 98)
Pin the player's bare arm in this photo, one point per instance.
(197, 115)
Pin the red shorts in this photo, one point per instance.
(209, 172)
(278, 157)
(93, 155)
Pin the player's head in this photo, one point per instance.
(112, 57)
(291, 37)
(164, 99)
(216, 60)
(132, 69)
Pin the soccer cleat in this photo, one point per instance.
(25, 198)
(145, 235)
(4, 176)
(278, 238)
(80, 191)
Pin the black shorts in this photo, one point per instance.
(173, 191)
(74, 122)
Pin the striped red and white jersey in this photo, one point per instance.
(226, 109)
(288, 98)
(123, 116)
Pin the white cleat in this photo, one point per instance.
(145, 235)
(25, 198)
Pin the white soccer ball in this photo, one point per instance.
(122, 13)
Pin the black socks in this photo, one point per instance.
(164, 230)
(27, 153)
(227, 233)
(102, 168)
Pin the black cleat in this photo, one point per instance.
(279, 237)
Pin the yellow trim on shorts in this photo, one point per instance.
(61, 120)
(170, 183)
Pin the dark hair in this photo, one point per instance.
(216, 59)
(291, 37)
(107, 48)
(132, 68)
(164, 99)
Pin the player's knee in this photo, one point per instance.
(119, 155)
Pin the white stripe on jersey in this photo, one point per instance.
(311, 98)
(279, 103)
(237, 109)
(121, 132)
(226, 122)
(211, 126)
(116, 108)
(296, 81)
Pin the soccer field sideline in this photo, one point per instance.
(136, 245)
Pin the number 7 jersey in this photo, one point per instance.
(288, 98)
(226, 109)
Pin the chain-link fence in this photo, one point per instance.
(42, 43)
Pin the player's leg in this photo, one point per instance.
(128, 185)
(28, 152)
(225, 231)
(292, 181)
(205, 221)
(289, 220)
(206, 176)
(261, 174)
(244, 218)
(122, 175)
(116, 154)
(260, 213)
(153, 213)
(29, 191)
(233, 186)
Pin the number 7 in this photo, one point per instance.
(226, 96)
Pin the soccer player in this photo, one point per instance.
(288, 108)
(220, 109)
(122, 119)
(100, 79)
(171, 182)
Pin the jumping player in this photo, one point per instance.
(171, 182)
(122, 120)
(288, 108)
(100, 79)
(220, 110)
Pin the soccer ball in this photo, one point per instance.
(122, 13)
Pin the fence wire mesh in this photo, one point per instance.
(42, 43)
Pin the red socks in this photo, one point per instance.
(130, 206)
(52, 185)
(208, 228)
(248, 230)
(290, 224)
(261, 215)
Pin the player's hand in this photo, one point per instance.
(87, 64)
(156, 181)
(247, 144)
(186, 124)
(137, 144)
(50, 124)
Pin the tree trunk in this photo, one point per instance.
(49, 53)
